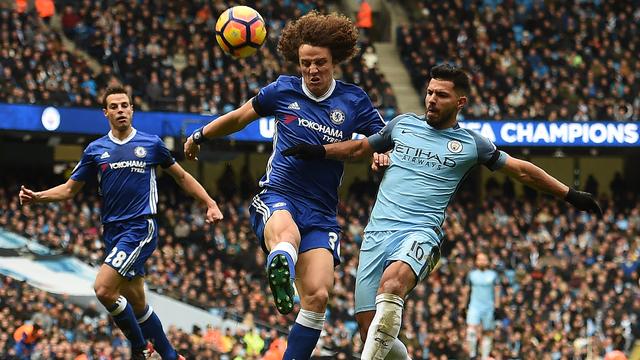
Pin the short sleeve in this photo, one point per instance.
(164, 157)
(86, 169)
(264, 102)
(369, 119)
(488, 154)
(382, 141)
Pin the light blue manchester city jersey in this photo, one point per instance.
(483, 284)
(427, 167)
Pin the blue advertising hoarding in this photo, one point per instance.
(502, 133)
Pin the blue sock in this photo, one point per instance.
(289, 252)
(122, 314)
(152, 330)
(304, 335)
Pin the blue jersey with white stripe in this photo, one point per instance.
(126, 173)
(427, 167)
(301, 117)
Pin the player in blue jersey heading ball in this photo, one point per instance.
(124, 163)
(294, 215)
(429, 158)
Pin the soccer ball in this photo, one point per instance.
(240, 31)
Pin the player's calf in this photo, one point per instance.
(384, 328)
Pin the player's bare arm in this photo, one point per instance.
(224, 125)
(346, 150)
(195, 189)
(61, 192)
(533, 176)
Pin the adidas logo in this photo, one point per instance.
(294, 106)
(105, 155)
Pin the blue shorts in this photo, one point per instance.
(418, 248)
(475, 316)
(129, 244)
(316, 230)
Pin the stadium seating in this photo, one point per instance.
(168, 56)
(531, 60)
(36, 69)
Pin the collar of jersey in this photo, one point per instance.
(323, 97)
(126, 140)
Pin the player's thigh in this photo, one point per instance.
(417, 249)
(133, 290)
(398, 278)
(314, 277)
(281, 227)
(107, 284)
(371, 264)
(272, 220)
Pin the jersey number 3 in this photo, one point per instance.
(333, 240)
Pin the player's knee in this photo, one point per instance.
(317, 300)
(106, 295)
(392, 286)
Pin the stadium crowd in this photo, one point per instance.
(35, 68)
(165, 53)
(569, 281)
(530, 59)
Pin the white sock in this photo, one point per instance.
(384, 328)
(310, 319)
(472, 341)
(398, 351)
(487, 341)
(288, 248)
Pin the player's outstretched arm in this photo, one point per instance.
(352, 149)
(224, 125)
(195, 189)
(533, 176)
(61, 192)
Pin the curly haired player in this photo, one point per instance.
(294, 215)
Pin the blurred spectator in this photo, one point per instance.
(26, 338)
(523, 67)
(35, 68)
(365, 18)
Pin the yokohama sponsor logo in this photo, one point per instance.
(327, 130)
(128, 164)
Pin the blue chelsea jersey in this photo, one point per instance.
(126, 173)
(302, 117)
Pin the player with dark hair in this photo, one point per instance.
(124, 163)
(431, 156)
(294, 215)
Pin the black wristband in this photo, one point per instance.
(571, 195)
(198, 136)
